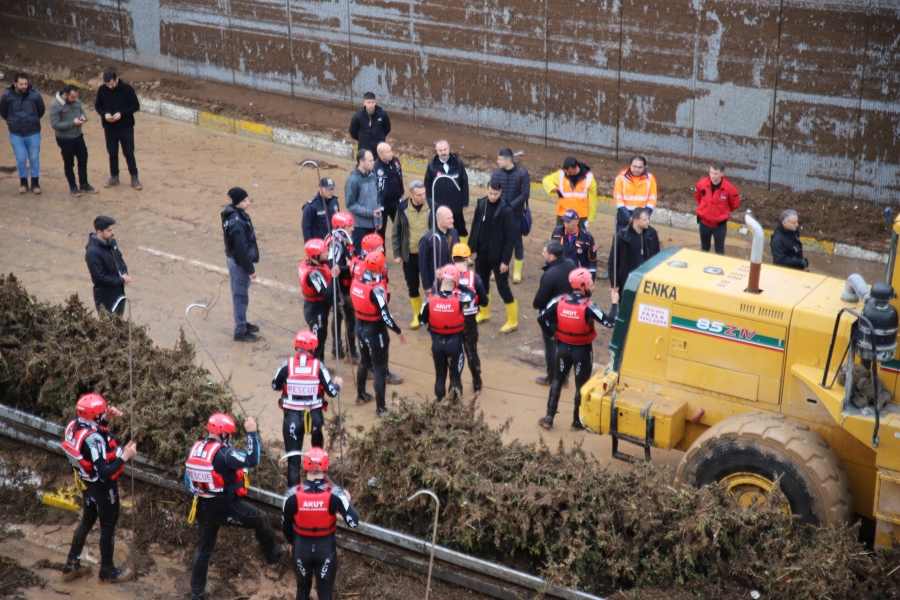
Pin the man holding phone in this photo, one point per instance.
(66, 117)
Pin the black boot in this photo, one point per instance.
(36, 185)
(74, 570)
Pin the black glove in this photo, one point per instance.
(805, 263)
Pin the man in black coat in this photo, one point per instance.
(389, 175)
(108, 270)
(116, 104)
(242, 253)
(435, 247)
(452, 192)
(370, 125)
(787, 249)
(635, 244)
(516, 184)
(318, 210)
(494, 238)
(554, 283)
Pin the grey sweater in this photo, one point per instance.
(361, 192)
(62, 118)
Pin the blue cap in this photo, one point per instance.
(570, 215)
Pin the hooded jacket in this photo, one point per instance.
(361, 194)
(787, 249)
(120, 100)
(62, 118)
(240, 238)
(632, 250)
(445, 192)
(370, 130)
(106, 266)
(22, 112)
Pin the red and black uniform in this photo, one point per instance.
(373, 319)
(318, 296)
(571, 319)
(471, 280)
(443, 313)
(308, 522)
(94, 452)
(341, 253)
(303, 381)
(214, 471)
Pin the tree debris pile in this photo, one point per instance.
(580, 524)
(51, 354)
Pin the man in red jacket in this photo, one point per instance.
(716, 197)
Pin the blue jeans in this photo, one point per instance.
(240, 295)
(27, 150)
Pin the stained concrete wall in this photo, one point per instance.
(795, 94)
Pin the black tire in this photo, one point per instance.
(811, 475)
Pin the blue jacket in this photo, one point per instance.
(316, 222)
(362, 198)
(22, 112)
(582, 249)
(240, 238)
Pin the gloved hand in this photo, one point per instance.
(805, 263)
(623, 216)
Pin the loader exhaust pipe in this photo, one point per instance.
(756, 253)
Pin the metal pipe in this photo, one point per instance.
(336, 252)
(856, 289)
(131, 427)
(437, 511)
(434, 208)
(756, 253)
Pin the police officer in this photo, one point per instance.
(578, 244)
(370, 303)
(319, 210)
(318, 290)
(98, 460)
(309, 520)
(341, 253)
(215, 474)
(302, 379)
(442, 311)
(571, 318)
(471, 280)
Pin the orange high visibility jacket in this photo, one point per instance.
(582, 198)
(634, 192)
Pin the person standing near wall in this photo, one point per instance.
(116, 104)
(370, 125)
(389, 175)
(635, 187)
(576, 189)
(716, 198)
(22, 107)
(447, 164)
(66, 118)
(787, 249)
(516, 184)
(361, 194)
(242, 254)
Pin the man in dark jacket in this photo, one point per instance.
(578, 244)
(22, 107)
(242, 253)
(452, 192)
(435, 247)
(362, 198)
(554, 282)
(108, 270)
(635, 244)
(494, 238)
(787, 249)
(389, 176)
(370, 125)
(516, 184)
(318, 210)
(116, 104)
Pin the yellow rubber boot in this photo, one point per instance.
(512, 317)
(517, 271)
(417, 309)
(484, 312)
(464, 239)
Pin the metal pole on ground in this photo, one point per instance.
(437, 511)
(131, 427)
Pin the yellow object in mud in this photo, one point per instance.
(193, 514)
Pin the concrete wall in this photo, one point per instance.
(796, 94)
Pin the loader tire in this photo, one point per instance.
(746, 451)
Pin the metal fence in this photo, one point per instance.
(791, 94)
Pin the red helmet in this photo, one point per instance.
(371, 241)
(90, 406)
(375, 261)
(341, 219)
(315, 460)
(220, 423)
(315, 247)
(306, 340)
(580, 279)
(450, 272)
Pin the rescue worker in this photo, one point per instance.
(442, 312)
(471, 280)
(98, 461)
(578, 244)
(575, 188)
(309, 520)
(318, 290)
(570, 318)
(341, 253)
(215, 474)
(635, 187)
(302, 379)
(370, 303)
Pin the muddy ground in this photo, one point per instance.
(821, 217)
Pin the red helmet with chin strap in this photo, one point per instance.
(375, 261)
(341, 219)
(580, 279)
(371, 241)
(220, 423)
(450, 272)
(306, 340)
(315, 247)
(90, 406)
(315, 460)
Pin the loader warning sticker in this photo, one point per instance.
(653, 315)
(733, 333)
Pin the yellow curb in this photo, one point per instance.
(215, 122)
(74, 82)
(411, 164)
(254, 130)
(66, 498)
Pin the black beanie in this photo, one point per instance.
(237, 195)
